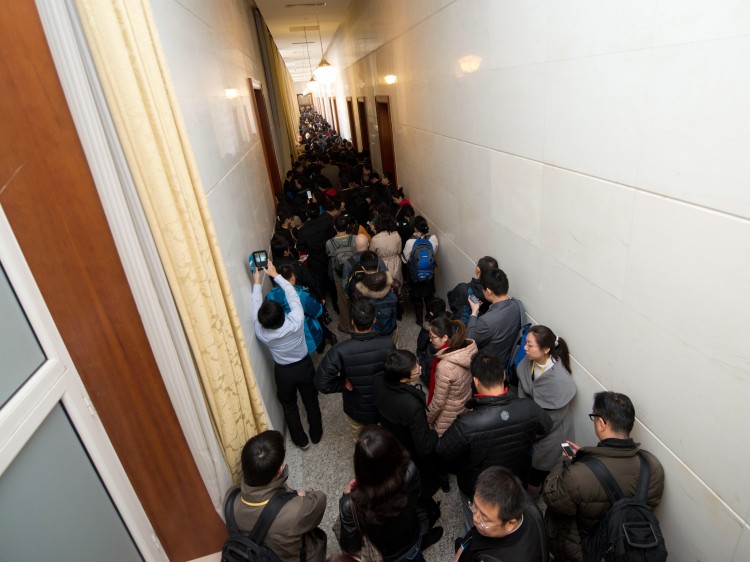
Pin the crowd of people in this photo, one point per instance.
(348, 238)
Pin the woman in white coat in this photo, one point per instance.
(387, 244)
(544, 375)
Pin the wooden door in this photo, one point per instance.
(55, 212)
(266, 138)
(385, 134)
(352, 128)
(363, 129)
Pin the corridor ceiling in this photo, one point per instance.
(287, 20)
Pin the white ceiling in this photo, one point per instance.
(287, 20)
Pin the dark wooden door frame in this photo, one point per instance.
(352, 128)
(363, 128)
(385, 135)
(266, 137)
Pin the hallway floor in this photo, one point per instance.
(327, 466)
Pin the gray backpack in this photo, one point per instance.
(342, 253)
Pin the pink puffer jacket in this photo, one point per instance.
(452, 386)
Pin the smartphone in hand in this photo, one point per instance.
(568, 450)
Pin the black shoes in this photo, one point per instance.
(431, 537)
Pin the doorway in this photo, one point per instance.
(363, 129)
(336, 115)
(266, 138)
(385, 130)
(352, 128)
(52, 439)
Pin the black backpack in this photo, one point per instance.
(629, 531)
(518, 351)
(240, 547)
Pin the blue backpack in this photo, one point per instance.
(422, 260)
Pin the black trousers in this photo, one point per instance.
(293, 378)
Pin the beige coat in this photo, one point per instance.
(387, 245)
(452, 387)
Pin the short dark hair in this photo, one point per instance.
(502, 489)
(286, 271)
(369, 260)
(420, 224)
(435, 306)
(285, 214)
(312, 211)
(616, 409)
(487, 368)
(279, 246)
(496, 281)
(398, 365)
(486, 263)
(362, 314)
(271, 315)
(261, 458)
(341, 223)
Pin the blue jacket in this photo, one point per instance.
(312, 308)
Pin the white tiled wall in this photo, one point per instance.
(210, 47)
(600, 152)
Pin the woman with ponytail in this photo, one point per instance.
(544, 375)
(450, 379)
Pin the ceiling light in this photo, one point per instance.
(312, 85)
(231, 93)
(390, 78)
(325, 73)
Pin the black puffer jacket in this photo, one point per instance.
(497, 431)
(402, 411)
(360, 360)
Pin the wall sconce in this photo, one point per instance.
(469, 63)
(390, 78)
(231, 93)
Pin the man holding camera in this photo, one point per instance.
(284, 335)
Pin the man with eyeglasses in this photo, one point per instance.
(507, 524)
(575, 499)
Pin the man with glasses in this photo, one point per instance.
(575, 499)
(507, 524)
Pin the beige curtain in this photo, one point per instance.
(133, 72)
(286, 96)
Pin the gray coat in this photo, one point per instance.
(554, 392)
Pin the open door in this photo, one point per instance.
(385, 130)
(54, 451)
(266, 137)
(335, 109)
(352, 128)
(362, 111)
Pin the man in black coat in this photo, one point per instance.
(402, 409)
(498, 430)
(312, 237)
(352, 366)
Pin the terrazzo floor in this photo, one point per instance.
(327, 466)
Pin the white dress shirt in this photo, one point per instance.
(287, 343)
